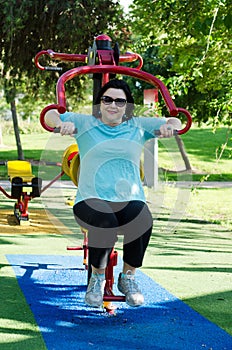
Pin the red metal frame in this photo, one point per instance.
(5, 193)
(84, 247)
(105, 69)
(109, 295)
(57, 177)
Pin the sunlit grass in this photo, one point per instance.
(203, 148)
(210, 204)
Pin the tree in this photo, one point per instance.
(194, 36)
(186, 44)
(29, 26)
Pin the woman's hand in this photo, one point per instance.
(67, 128)
(175, 122)
(52, 119)
(168, 129)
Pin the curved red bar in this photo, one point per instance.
(131, 57)
(136, 73)
(41, 53)
(42, 116)
(65, 57)
(189, 120)
(149, 78)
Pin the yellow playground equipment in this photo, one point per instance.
(24, 186)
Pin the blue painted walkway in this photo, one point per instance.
(54, 287)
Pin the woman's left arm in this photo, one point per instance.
(172, 124)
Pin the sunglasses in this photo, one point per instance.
(107, 100)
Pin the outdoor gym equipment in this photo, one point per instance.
(25, 186)
(101, 64)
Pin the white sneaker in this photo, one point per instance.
(95, 291)
(128, 287)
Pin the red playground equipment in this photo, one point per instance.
(102, 63)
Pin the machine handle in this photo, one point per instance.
(65, 57)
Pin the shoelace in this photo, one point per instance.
(131, 284)
(95, 285)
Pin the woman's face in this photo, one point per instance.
(113, 111)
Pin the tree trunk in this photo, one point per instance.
(16, 130)
(183, 152)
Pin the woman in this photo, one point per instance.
(110, 199)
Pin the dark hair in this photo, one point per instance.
(115, 84)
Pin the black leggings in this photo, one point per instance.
(105, 220)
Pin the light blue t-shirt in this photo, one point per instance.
(110, 156)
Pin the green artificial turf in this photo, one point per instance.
(18, 329)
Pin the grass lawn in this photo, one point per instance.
(203, 148)
(203, 204)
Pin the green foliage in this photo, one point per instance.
(65, 26)
(29, 26)
(190, 41)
